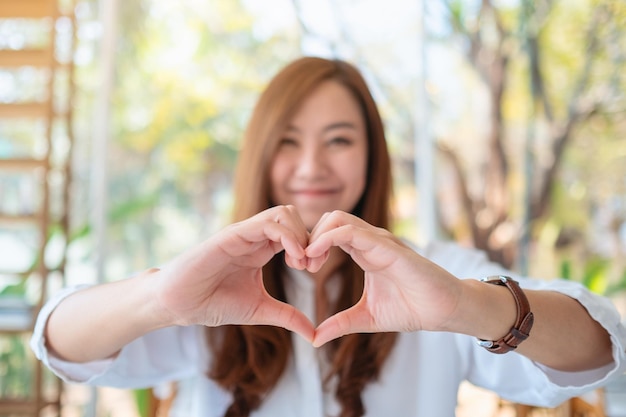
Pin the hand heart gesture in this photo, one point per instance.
(220, 281)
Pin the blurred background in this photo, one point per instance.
(120, 124)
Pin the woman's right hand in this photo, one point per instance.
(216, 282)
(220, 281)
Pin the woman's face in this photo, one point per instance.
(321, 160)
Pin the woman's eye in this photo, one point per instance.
(340, 140)
(287, 142)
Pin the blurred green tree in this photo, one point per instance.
(553, 73)
(188, 74)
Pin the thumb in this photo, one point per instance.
(353, 320)
(277, 313)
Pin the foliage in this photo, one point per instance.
(595, 274)
(142, 400)
(16, 361)
(551, 72)
(188, 75)
(15, 367)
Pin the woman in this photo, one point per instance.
(396, 328)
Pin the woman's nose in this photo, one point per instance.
(312, 161)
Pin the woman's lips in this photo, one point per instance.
(314, 192)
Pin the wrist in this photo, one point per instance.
(524, 317)
(152, 314)
(484, 311)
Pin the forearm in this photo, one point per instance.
(563, 337)
(97, 322)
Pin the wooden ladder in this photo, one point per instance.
(36, 141)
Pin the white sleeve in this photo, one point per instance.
(604, 312)
(514, 376)
(517, 378)
(164, 355)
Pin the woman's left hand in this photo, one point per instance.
(403, 291)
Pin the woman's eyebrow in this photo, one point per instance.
(335, 125)
(340, 125)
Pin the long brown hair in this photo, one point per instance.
(249, 360)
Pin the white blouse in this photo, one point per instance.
(421, 377)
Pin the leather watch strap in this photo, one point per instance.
(523, 322)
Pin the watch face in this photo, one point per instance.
(485, 343)
(496, 279)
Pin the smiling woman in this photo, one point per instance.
(320, 163)
(308, 305)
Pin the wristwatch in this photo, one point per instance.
(523, 322)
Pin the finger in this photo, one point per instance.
(333, 220)
(353, 320)
(256, 228)
(292, 227)
(337, 220)
(315, 264)
(296, 263)
(288, 215)
(347, 237)
(371, 248)
(277, 313)
(298, 225)
(286, 239)
(320, 224)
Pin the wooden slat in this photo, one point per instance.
(23, 110)
(17, 406)
(21, 407)
(22, 164)
(31, 9)
(19, 220)
(25, 57)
